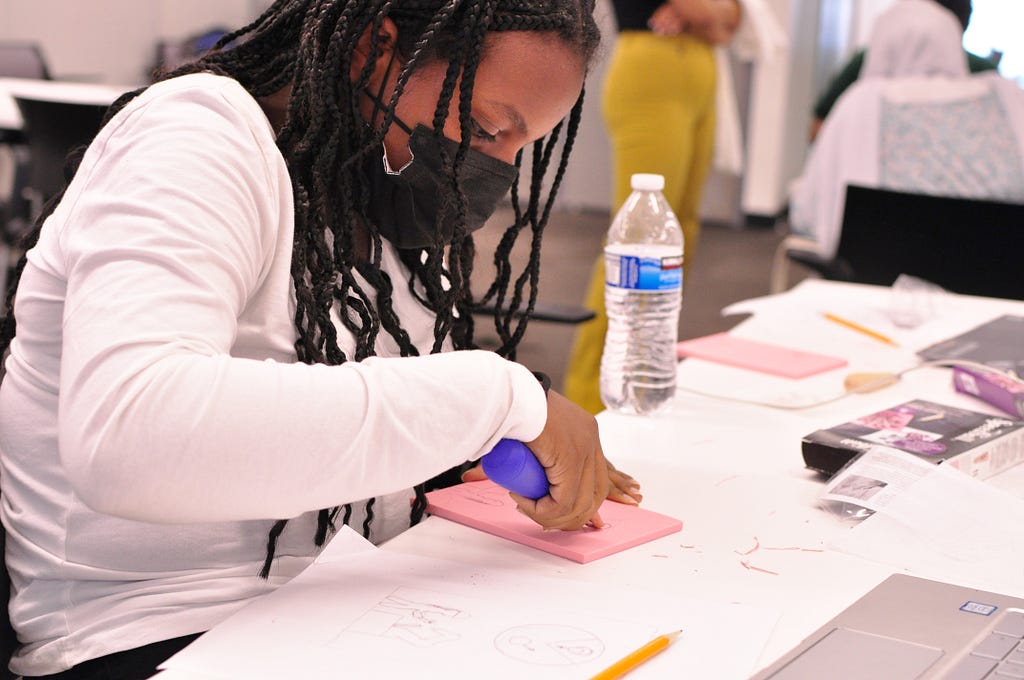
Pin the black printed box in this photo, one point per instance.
(978, 444)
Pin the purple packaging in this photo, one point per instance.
(993, 387)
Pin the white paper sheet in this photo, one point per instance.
(373, 613)
(876, 478)
(949, 525)
(803, 308)
(775, 317)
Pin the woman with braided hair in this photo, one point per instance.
(250, 310)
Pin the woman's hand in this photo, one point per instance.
(713, 21)
(623, 488)
(666, 20)
(579, 477)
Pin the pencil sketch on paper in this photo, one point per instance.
(409, 617)
(549, 644)
(494, 497)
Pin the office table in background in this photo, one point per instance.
(52, 90)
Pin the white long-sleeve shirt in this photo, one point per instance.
(153, 419)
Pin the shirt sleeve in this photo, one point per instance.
(167, 229)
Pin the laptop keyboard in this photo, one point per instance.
(999, 656)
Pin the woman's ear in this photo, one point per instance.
(385, 45)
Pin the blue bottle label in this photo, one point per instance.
(644, 272)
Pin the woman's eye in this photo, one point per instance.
(480, 133)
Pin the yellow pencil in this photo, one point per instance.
(860, 329)
(634, 659)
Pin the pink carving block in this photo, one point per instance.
(486, 506)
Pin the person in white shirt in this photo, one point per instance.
(250, 311)
(916, 121)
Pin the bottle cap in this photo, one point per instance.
(647, 182)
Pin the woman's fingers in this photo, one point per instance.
(570, 503)
(624, 489)
(474, 474)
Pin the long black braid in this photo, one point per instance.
(309, 45)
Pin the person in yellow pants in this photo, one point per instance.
(659, 107)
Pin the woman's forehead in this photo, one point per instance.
(525, 83)
(535, 75)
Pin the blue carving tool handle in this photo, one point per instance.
(512, 465)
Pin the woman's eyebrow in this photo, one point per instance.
(513, 115)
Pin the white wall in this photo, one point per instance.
(778, 97)
(995, 26)
(179, 19)
(835, 28)
(781, 97)
(113, 41)
(588, 180)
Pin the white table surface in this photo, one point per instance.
(734, 473)
(52, 90)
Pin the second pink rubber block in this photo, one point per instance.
(765, 357)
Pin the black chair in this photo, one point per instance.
(16, 207)
(553, 312)
(22, 60)
(17, 60)
(52, 129)
(965, 245)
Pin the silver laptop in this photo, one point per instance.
(908, 628)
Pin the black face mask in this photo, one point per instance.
(414, 207)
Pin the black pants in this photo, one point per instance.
(131, 664)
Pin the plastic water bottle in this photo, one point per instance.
(643, 291)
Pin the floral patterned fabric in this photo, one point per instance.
(957, 148)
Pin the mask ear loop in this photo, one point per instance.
(378, 99)
(381, 107)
